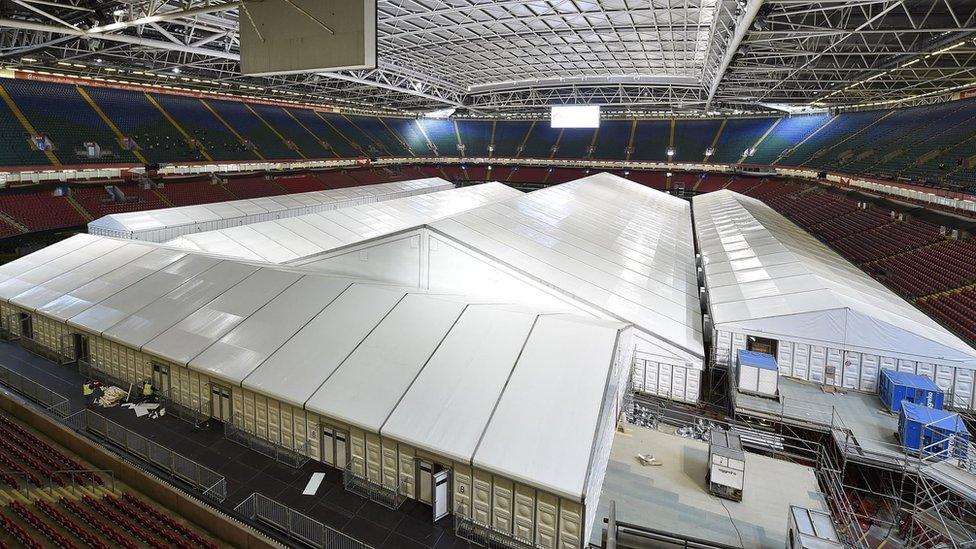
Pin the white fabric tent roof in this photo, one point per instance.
(297, 238)
(283, 205)
(401, 363)
(766, 275)
(459, 387)
(536, 431)
(620, 247)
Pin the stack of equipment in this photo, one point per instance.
(726, 465)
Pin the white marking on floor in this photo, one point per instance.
(313, 484)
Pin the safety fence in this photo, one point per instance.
(205, 481)
(485, 535)
(52, 402)
(291, 457)
(388, 496)
(296, 526)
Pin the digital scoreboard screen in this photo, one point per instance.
(576, 116)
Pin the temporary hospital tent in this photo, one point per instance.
(774, 288)
(610, 246)
(601, 246)
(408, 392)
(312, 237)
(168, 223)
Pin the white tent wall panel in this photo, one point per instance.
(452, 267)
(395, 259)
(853, 370)
(667, 380)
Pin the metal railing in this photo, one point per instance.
(52, 402)
(204, 480)
(485, 535)
(198, 417)
(665, 539)
(292, 457)
(18, 480)
(387, 496)
(91, 479)
(87, 371)
(295, 525)
(40, 349)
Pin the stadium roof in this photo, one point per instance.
(766, 275)
(490, 56)
(297, 238)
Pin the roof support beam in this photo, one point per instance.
(123, 38)
(741, 28)
(168, 16)
(377, 78)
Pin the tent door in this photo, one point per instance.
(160, 378)
(220, 403)
(73, 347)
(334, 447)
(762, 345)
(26, 326)
(425, 486)
(82, 351)
(441, 494)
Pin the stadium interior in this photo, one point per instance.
(529, 274)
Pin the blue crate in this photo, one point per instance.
(896, 387)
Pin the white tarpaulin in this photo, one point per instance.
(298, 238)
(616, 246)
(165, 224)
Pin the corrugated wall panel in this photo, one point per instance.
(407, 469)
(870, 371)
(851, 377)
(357, 450)
(374, 458)
(524, 512)
(463, 488)
(274, 421)
(502, 504)
(287, 426)
(261, 416)
(481, 494)
(306, 440)
(570, 524)
(962, 395)
(547, 520)
(390, 464)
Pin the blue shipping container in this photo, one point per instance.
(896, 387)
(928, 431)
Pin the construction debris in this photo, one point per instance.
(648, 460)
(111, 396)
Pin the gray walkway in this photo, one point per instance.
(672, 497)
(873, 427)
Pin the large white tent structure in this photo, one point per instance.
(772, 285)
(516, 405)
(601, 245)
(328, 233)
(168, 223)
